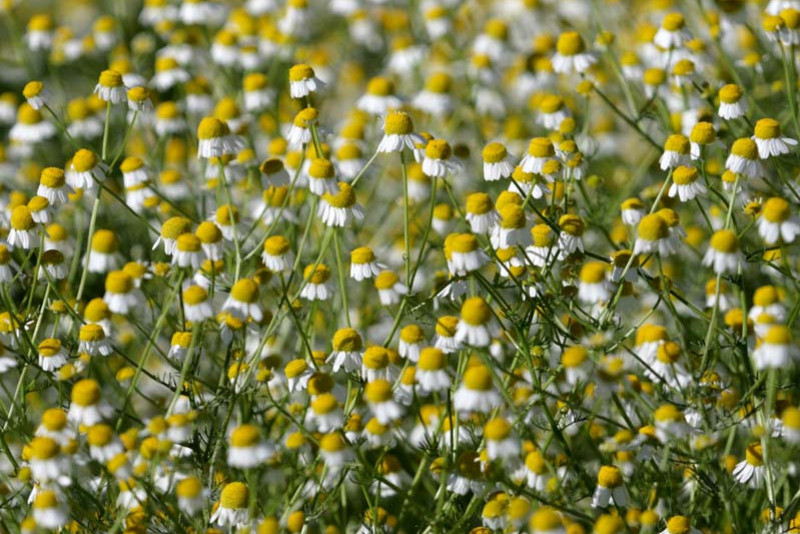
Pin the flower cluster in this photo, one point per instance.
(394, 266)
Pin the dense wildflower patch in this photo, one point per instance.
(398, 266)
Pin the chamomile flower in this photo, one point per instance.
(653, 236)
(363, 264)
(610, 488)
(84, 169)
(776, 350)
(52, 355)
(104, 256)
(546, 520)
(593, 287)
(300, 132)
(679, 524)
(571, 55)
(438, 161)
(476, 392)
(686, 184)
(232, 508)
(670, 423)
(257, 93)
(501, 443)
(215, 139)
(380, 97)
(390, 289)
(672, 33)
(465, 254)
(110, 87)
(277, 255)
(30, 127)
(732, 103)
(723, 254)
(188, 252)
(139, 101)
(776, 223)
(35, 94)
(93, 340)
(497, 162)
(398, 133)
(751, 471)
(41, 210)
(481, 214)
(247, 449)
(134, 171)
(677, 152)
(87, 406)
(540, 151)
(168, 73)
(475, 327)
(570, 237)
(121, 294)
(431, 374)
(435, 98)
(317, 282)
(769, 141)
(39, 34)
(744, 159)
(190, 494)
(23, 232)
(379, 397)
(243, 300)
(303, 81)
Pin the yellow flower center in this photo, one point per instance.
(300, 72)
(475, 311)
(54, 419)
(84, 160)
(317, 275)
(673, 22)
(754, 455)
(21, 218)
(609, 477)
(668, 413)
(138, 94)
(703, 133)
(431, 359)
(541, 147)
(119, 282)
(32, 89)
(725, 241)
(245, 290)
(570, 44)
(497, 429)
(380, 86)
(49, 347)
(347, 340)
(234, 496)
(377, 391)
(478, 378)
(386, 280)
(571, 224)
(677, 143)
(86, 392)
(189, 488)
(768, 129)
(211, 128)
(111, 78)
(306, 117)
(684, 175)
(131, 164)
(438, 83)
(745, 148)
(438, 149)
(245, 436)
